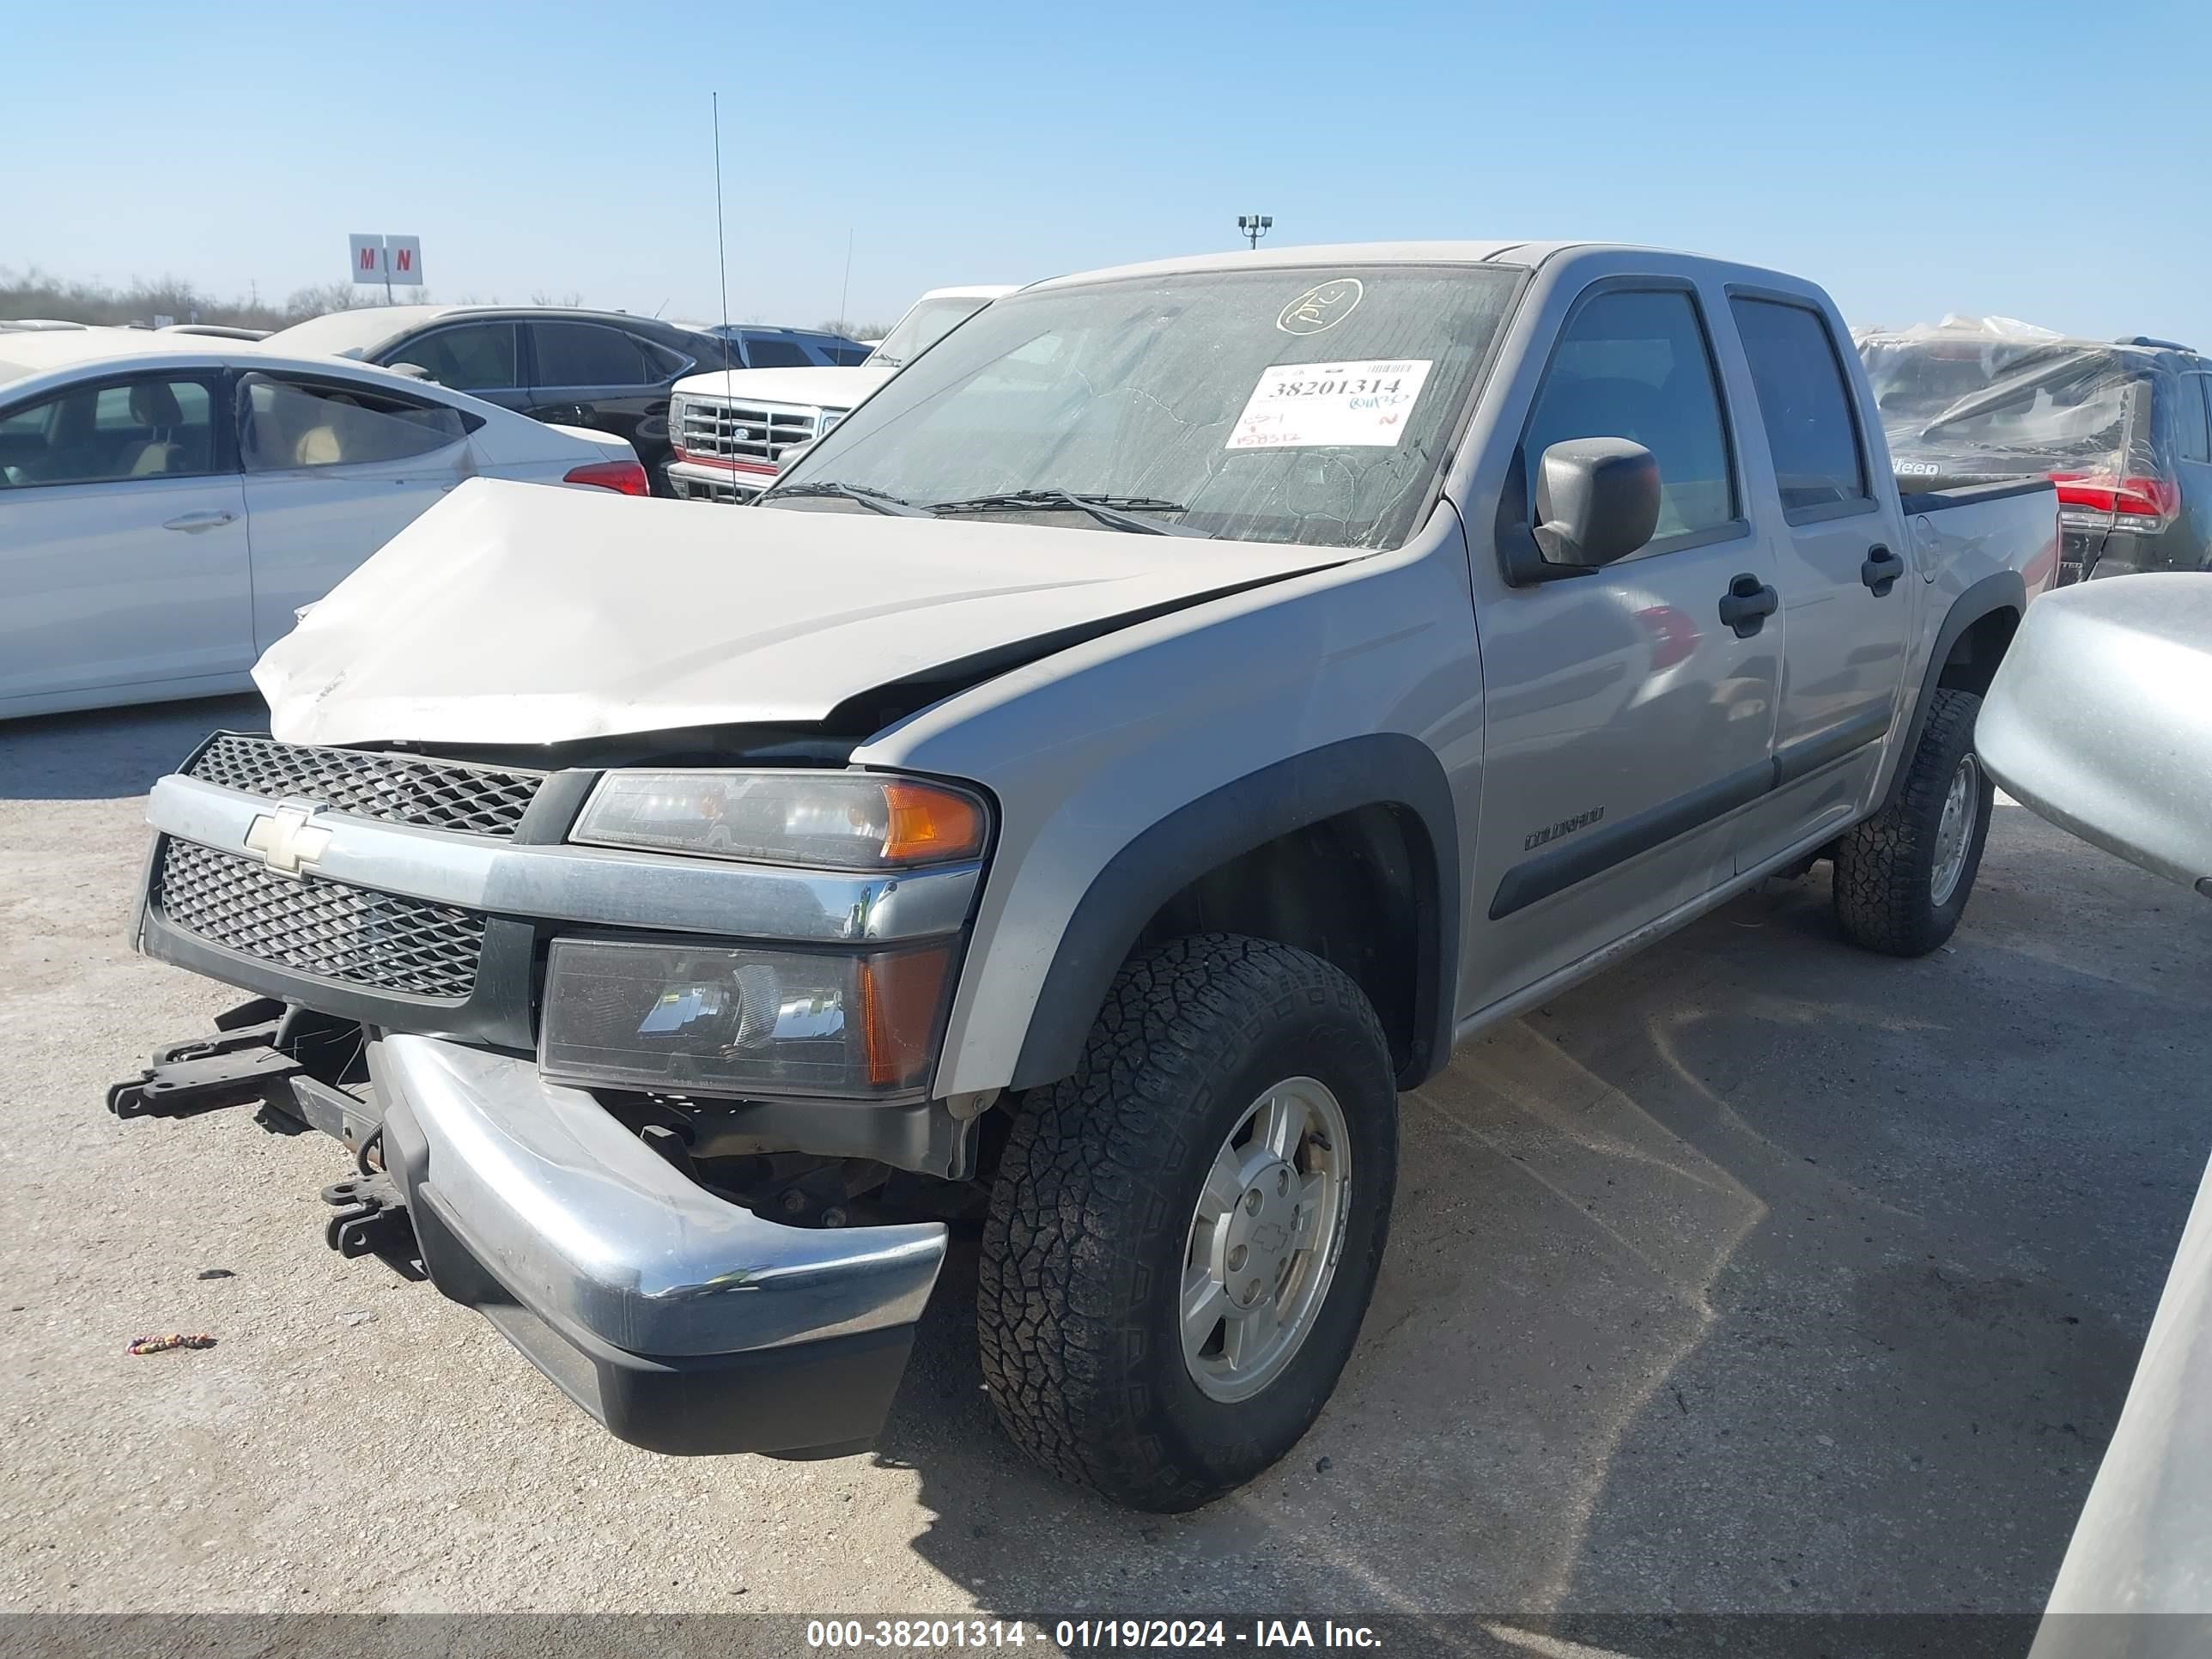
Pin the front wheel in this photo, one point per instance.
(1185, 1233)
(1903, 876)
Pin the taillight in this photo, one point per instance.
(624, 477)
(2139, 497)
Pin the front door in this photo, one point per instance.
(482, 359)
(1626, 721)
(123, 545)
(1841, 556)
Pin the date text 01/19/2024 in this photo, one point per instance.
(1080, 1635)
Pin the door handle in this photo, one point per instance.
(1882, 569)
(193, 523)
(1747, 605)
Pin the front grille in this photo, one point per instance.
(758, 433)
(436, 795)
(324, 929)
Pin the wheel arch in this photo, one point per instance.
(1228, 861)
(1977, 631)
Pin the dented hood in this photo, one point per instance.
(515, 613)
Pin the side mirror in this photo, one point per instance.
(792, 454)
(1597, 500)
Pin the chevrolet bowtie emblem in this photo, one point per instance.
(288, 839)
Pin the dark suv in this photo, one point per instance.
(603, 370)
(2123, 428)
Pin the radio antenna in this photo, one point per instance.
(721, 247)
(846, 289)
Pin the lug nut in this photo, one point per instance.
(1282, 1181)
(793, 1202)
(1236, 1257)
(1252, 1201)
(833, 1217)
(1252, 1293)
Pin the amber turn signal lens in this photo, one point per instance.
(927, 825)
(901, 996)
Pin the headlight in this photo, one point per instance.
(828, 820)
(678, 1018)
(677, 409)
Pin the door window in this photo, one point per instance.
(1804, 403)
(469, 357)
(285, 424)
(154, 426)
(584, 354)
(2193, 435)
(1634, 364)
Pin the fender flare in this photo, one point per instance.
(1378, 769)
(2007, 590)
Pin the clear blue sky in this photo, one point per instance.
(2048, 162)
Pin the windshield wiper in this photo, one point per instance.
(880, 501)
(1123, 511)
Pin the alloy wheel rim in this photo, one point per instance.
(1955, 830)
(1265, 1236)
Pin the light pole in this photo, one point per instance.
(1254, 226)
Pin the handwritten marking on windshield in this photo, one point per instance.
(1321, 306)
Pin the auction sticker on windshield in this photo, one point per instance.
(1312, 405)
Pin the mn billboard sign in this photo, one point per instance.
(394, 261)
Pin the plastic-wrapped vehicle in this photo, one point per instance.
(2123, 427)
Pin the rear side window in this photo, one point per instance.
(1804, 403)
(661, 363)
(847, 356)
(472, 357)
(285, 424)
(2191, 432)
(586, 354)
(1635, 365)
(777, 353)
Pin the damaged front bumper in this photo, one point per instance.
(682, 1322)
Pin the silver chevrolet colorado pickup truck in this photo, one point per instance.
(1111, 767)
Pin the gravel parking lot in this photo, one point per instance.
(1757, 1274)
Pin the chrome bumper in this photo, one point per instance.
(704, 481)
(685, 1323)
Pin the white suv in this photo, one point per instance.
(731, 428)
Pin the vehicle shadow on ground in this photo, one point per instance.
(105, 754)
(1759, 1274)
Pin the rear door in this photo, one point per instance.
(1839, 548)
(1625, 721)
(593, 374)
(123, 543)
(334, 468)
(2190, 541)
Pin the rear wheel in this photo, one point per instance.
(1184, 1233)
(1903, 876)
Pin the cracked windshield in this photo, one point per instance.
(1309, 406)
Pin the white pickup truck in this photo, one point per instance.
(731, 429)
(1107, 770)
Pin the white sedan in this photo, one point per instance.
(164, 512)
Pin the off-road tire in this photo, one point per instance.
(1083, 1253)
(1883, 894)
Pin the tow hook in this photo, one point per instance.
(371, 1218)
(228, 1069)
